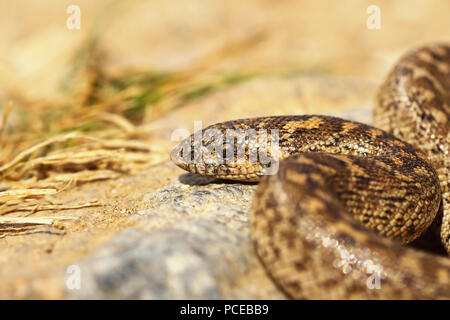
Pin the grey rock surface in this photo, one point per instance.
(191, 243)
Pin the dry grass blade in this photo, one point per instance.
(21, 156)
(26, 221)
(85, 176)
(15, 194)
(114, 109)
(117, 120)
(28, 225)
(76, 158)
(5, 115)
(39, 206)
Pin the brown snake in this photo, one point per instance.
(333, 221)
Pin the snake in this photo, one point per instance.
(336, 217)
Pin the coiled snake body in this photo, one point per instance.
(333, 220)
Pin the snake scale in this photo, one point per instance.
(333, 221)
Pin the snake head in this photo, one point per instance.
(226, 155)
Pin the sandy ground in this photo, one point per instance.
(327, 41)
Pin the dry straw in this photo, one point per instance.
(97, 129)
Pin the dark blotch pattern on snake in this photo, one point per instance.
(333, 221)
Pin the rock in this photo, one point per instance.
(199, 250)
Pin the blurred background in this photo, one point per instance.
(37, 47)
(100, 102)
